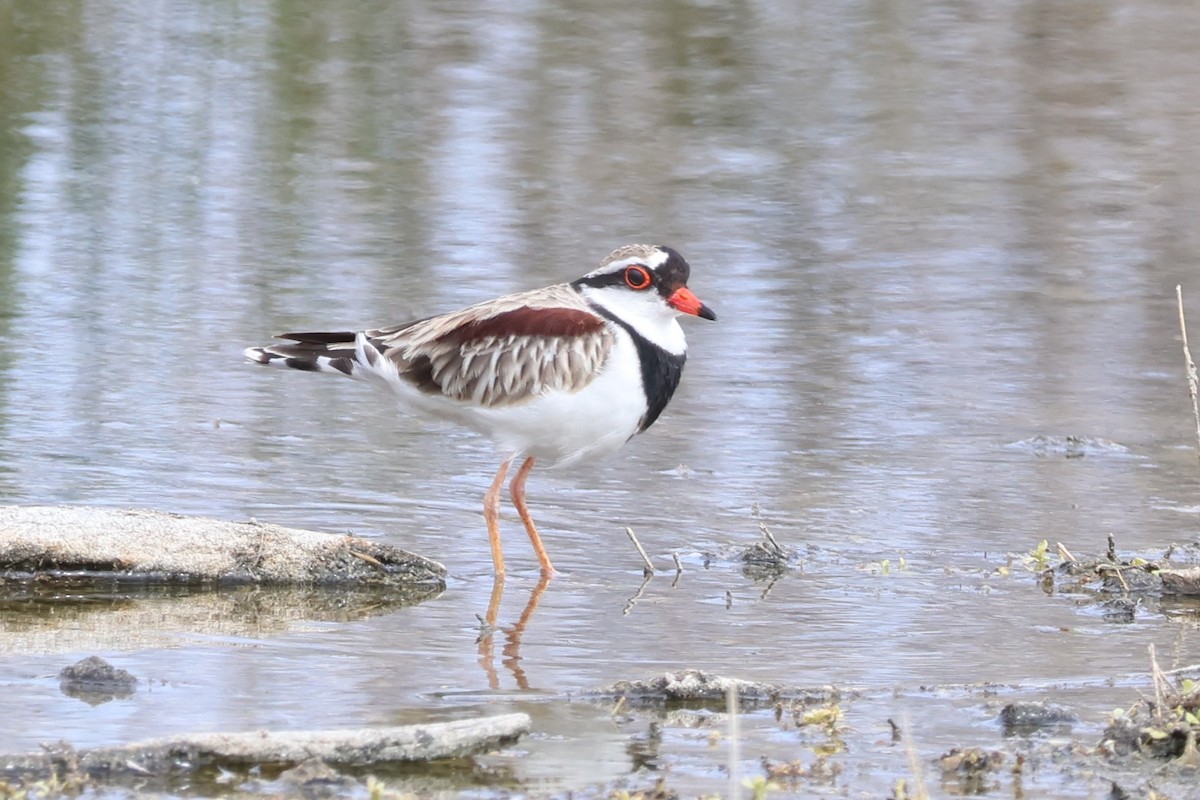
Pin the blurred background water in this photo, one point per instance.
(930, 231)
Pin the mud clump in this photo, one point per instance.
(1175, 573)
(767, 560)
(1034, 716)
(971, 769)
(95, 681)
(1165, 727)
(697, 686)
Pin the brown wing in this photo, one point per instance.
(503, 352)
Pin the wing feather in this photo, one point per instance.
(504, 352)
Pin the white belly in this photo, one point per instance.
(560, 427)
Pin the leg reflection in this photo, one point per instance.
(487, 626)
(512, 635)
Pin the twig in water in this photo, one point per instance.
(486, 629)
(1160, 684)
(756, 512)
(762, 526)
(629, 604)
(1115, 569)
(678, 570)
(649, 569)
(1063, 553)
(620, 704)
(1124, 585)
(1190, 366)
(1187, 672)
(918, 791)
(735, 745)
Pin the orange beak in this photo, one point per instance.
(683, 300)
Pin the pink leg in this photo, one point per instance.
(491, 515)
(518, 496)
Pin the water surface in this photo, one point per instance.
(929, 232)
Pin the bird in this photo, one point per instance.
(551, 375)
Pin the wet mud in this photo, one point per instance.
(685, 732)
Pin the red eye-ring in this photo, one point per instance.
(637, 277)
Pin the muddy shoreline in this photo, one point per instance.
(1134, 752)
(685, 722)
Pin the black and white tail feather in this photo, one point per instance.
(338, 352)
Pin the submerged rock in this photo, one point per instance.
(1069, 446)
(315, 780)
(697, 685)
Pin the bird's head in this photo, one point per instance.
(640, 282)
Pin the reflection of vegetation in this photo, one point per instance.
(20, 38)
(29, 31)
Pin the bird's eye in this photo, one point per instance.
(637, 277)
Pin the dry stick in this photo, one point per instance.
(678, 570)
(375, 562)
(735, 745)
(770, 538)
(1188, 671)
(649, 569)
(1190, 366)
(919, 792)
(1156, 676)
(1124, 584)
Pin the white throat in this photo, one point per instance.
(648, 314)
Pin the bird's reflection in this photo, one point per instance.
(512, 634)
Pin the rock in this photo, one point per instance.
(1181, 581)
(356, 747)
(48, 542)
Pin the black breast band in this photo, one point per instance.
(660, 370)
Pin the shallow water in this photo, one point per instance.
(930, 232)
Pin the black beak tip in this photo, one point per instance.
(707, 313)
